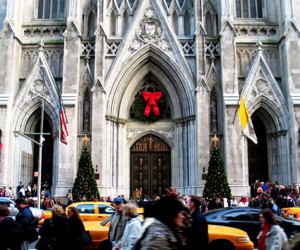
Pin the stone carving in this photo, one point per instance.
(262, 88)
(256, 30)
(166, 132)
(38, 88)
(188, 48)
(212, 48)
(88, 49)
(149, 32)
(43, 31)
(112, 48)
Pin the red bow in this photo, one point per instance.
(151, 98)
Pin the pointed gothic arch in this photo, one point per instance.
(146, 60)
(90, 19)
(210, 19)
(275, 123)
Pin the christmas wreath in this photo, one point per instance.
(150, 106)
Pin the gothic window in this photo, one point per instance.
(125, 21)
(2, 12)
(249, 8)
(187, 24)
(91, 24)
(51, 9)
(175, 22)
(209, 26)
(113, 20)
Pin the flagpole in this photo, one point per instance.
(237, 106)
(39, 184)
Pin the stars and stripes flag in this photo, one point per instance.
(63, 125)
(246, 122)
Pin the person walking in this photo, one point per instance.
(26, 220)
(55, 232)
(199, 231)
(76, 227)
(118, 222)
(11, 233)
(133, 227)
(271, 236)
(162, 230)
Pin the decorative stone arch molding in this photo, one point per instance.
(275, 120)
(166, 134)
(23, 113)
(275, 117)
(174, 80)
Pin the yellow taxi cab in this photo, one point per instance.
(93, 210)
(290, 212)
(220, 237)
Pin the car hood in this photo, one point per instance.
(223, 230)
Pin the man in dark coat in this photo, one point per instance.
(198, 238)
(27, 222)
(11, 233)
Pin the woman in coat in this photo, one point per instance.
(55, 232)
(133, 227)
(76, 227)
(271, 236)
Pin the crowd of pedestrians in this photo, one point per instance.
(170, 222)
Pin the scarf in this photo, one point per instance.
(261, 241)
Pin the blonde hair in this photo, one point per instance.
(130, 210)
(57, 210)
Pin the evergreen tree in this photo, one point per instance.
(85, 182)
(216, 184)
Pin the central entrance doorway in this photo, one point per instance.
(150, 166)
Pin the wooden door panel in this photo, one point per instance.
(150, 166)
(140, 173)
(160, 173)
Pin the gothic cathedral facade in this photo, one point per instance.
(149, 82)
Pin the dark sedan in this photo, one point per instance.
(247, 219)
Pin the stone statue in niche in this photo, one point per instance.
(86, 115)
(213, 115)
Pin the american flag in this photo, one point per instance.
(63, 125)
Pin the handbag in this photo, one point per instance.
(86, 238)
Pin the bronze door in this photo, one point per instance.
(150, 167)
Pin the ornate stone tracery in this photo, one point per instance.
(149, 32)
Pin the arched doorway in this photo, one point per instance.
(150, 166)
(47, 156)
(258, 153)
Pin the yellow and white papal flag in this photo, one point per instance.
(246, 122)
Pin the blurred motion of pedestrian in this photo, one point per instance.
(11, 233)
(162, 230)
(133, 227)
(76, 227)
(293, 243)
(271, 236)
(55, 232)
(199, 232)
